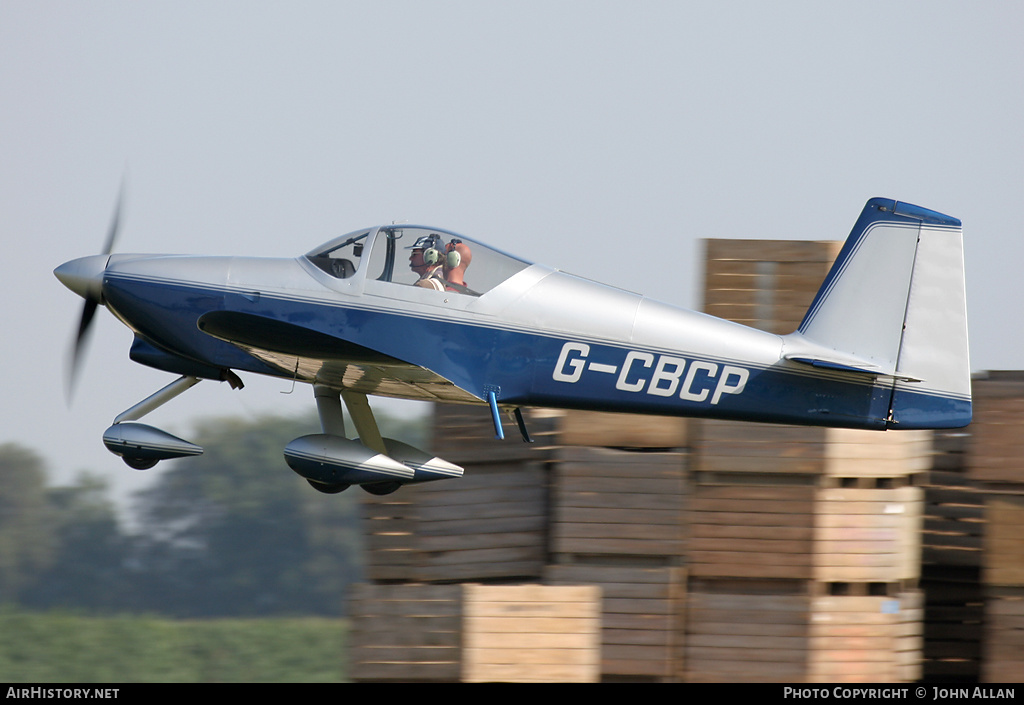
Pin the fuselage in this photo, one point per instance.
(537, 337)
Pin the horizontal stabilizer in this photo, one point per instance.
(845, 366)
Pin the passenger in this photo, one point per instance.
(427, 261)
(458, 257)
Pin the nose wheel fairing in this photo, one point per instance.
(141, 446)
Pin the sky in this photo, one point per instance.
(604, 138)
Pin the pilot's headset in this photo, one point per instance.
(432, 255)
(430, 244)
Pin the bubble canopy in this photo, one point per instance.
(386, 253)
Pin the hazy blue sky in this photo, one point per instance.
(605, 138)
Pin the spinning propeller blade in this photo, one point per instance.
(92, 302)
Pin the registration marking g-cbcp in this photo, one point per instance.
(657, 375)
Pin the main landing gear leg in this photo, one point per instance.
(332, 422)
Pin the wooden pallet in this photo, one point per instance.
(743, 635)
(475, 633)
(953, 529)
(464, 435)
(953, 623)
(746, 637)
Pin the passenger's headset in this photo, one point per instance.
(452, 256)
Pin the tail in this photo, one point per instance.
(894, 307)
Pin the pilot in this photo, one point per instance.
(427, 261)
(457, 259)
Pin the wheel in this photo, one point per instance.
(382, 488)
(325, 488)
(139, 463)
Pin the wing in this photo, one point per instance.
(312, 356)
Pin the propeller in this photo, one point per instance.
(91, 294)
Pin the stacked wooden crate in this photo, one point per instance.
(407, 632)
(531, 634)
(612, 502)
(598, 500)
(490, 524)
(428, 544)
(475, 633)
(766, 284)
(872, 638)
(805, 543)
(642, 617)
(951, 559)
(997, 463)
(619, 512)
(832, 542)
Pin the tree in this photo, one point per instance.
(26, 542)
(235, 532)
(88, 567)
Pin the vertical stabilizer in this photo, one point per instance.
(893, 306)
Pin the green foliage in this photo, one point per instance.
(87, 566)
(233, 532)
(59, 647)
(26, 544)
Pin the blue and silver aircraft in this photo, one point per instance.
(422, 313)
